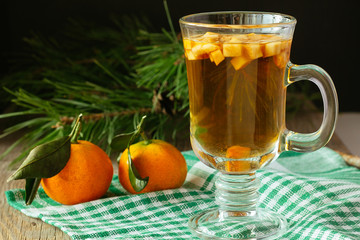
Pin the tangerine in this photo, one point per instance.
(86, 176)
(160, 161)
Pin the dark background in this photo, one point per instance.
(326, 33)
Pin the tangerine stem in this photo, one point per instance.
(145, 138)
(142, 132)
(76, 130)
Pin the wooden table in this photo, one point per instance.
(15, 225)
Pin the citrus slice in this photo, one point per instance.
(216, 56)
(272, 48)
(240, 62)
(237, 152)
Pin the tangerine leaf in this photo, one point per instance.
(137, 182)
(31, 187)
(45, 160)
(120, 141)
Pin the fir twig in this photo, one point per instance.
(113, 75)
(107, 79)
(66, 120)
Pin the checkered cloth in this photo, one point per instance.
(316, 192)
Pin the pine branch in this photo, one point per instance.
(66, 120)
(112, 75)
(110, 80)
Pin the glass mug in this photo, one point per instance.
(238, 70)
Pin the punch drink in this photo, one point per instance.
(238, 70)
(237, 97)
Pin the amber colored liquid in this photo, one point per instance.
(229, 107)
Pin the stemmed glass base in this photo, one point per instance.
(216, 224)
(237, 216)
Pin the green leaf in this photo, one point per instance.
(120, 141)
(45, 160)
(31, 187)
(136, 181)
(123, 141)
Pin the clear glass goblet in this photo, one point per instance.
(238, 70)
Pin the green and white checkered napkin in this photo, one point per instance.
(317, 193)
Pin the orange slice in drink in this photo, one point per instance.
(241, 48)
(240, 62)
(236, 152)
(253, 50)
(272, 48)
(187, 44)
(216, 56)
(204, 48)
(232, 49)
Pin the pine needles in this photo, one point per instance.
(111, 75)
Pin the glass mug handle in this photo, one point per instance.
(306, 142)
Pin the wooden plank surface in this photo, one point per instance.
(17, 226)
